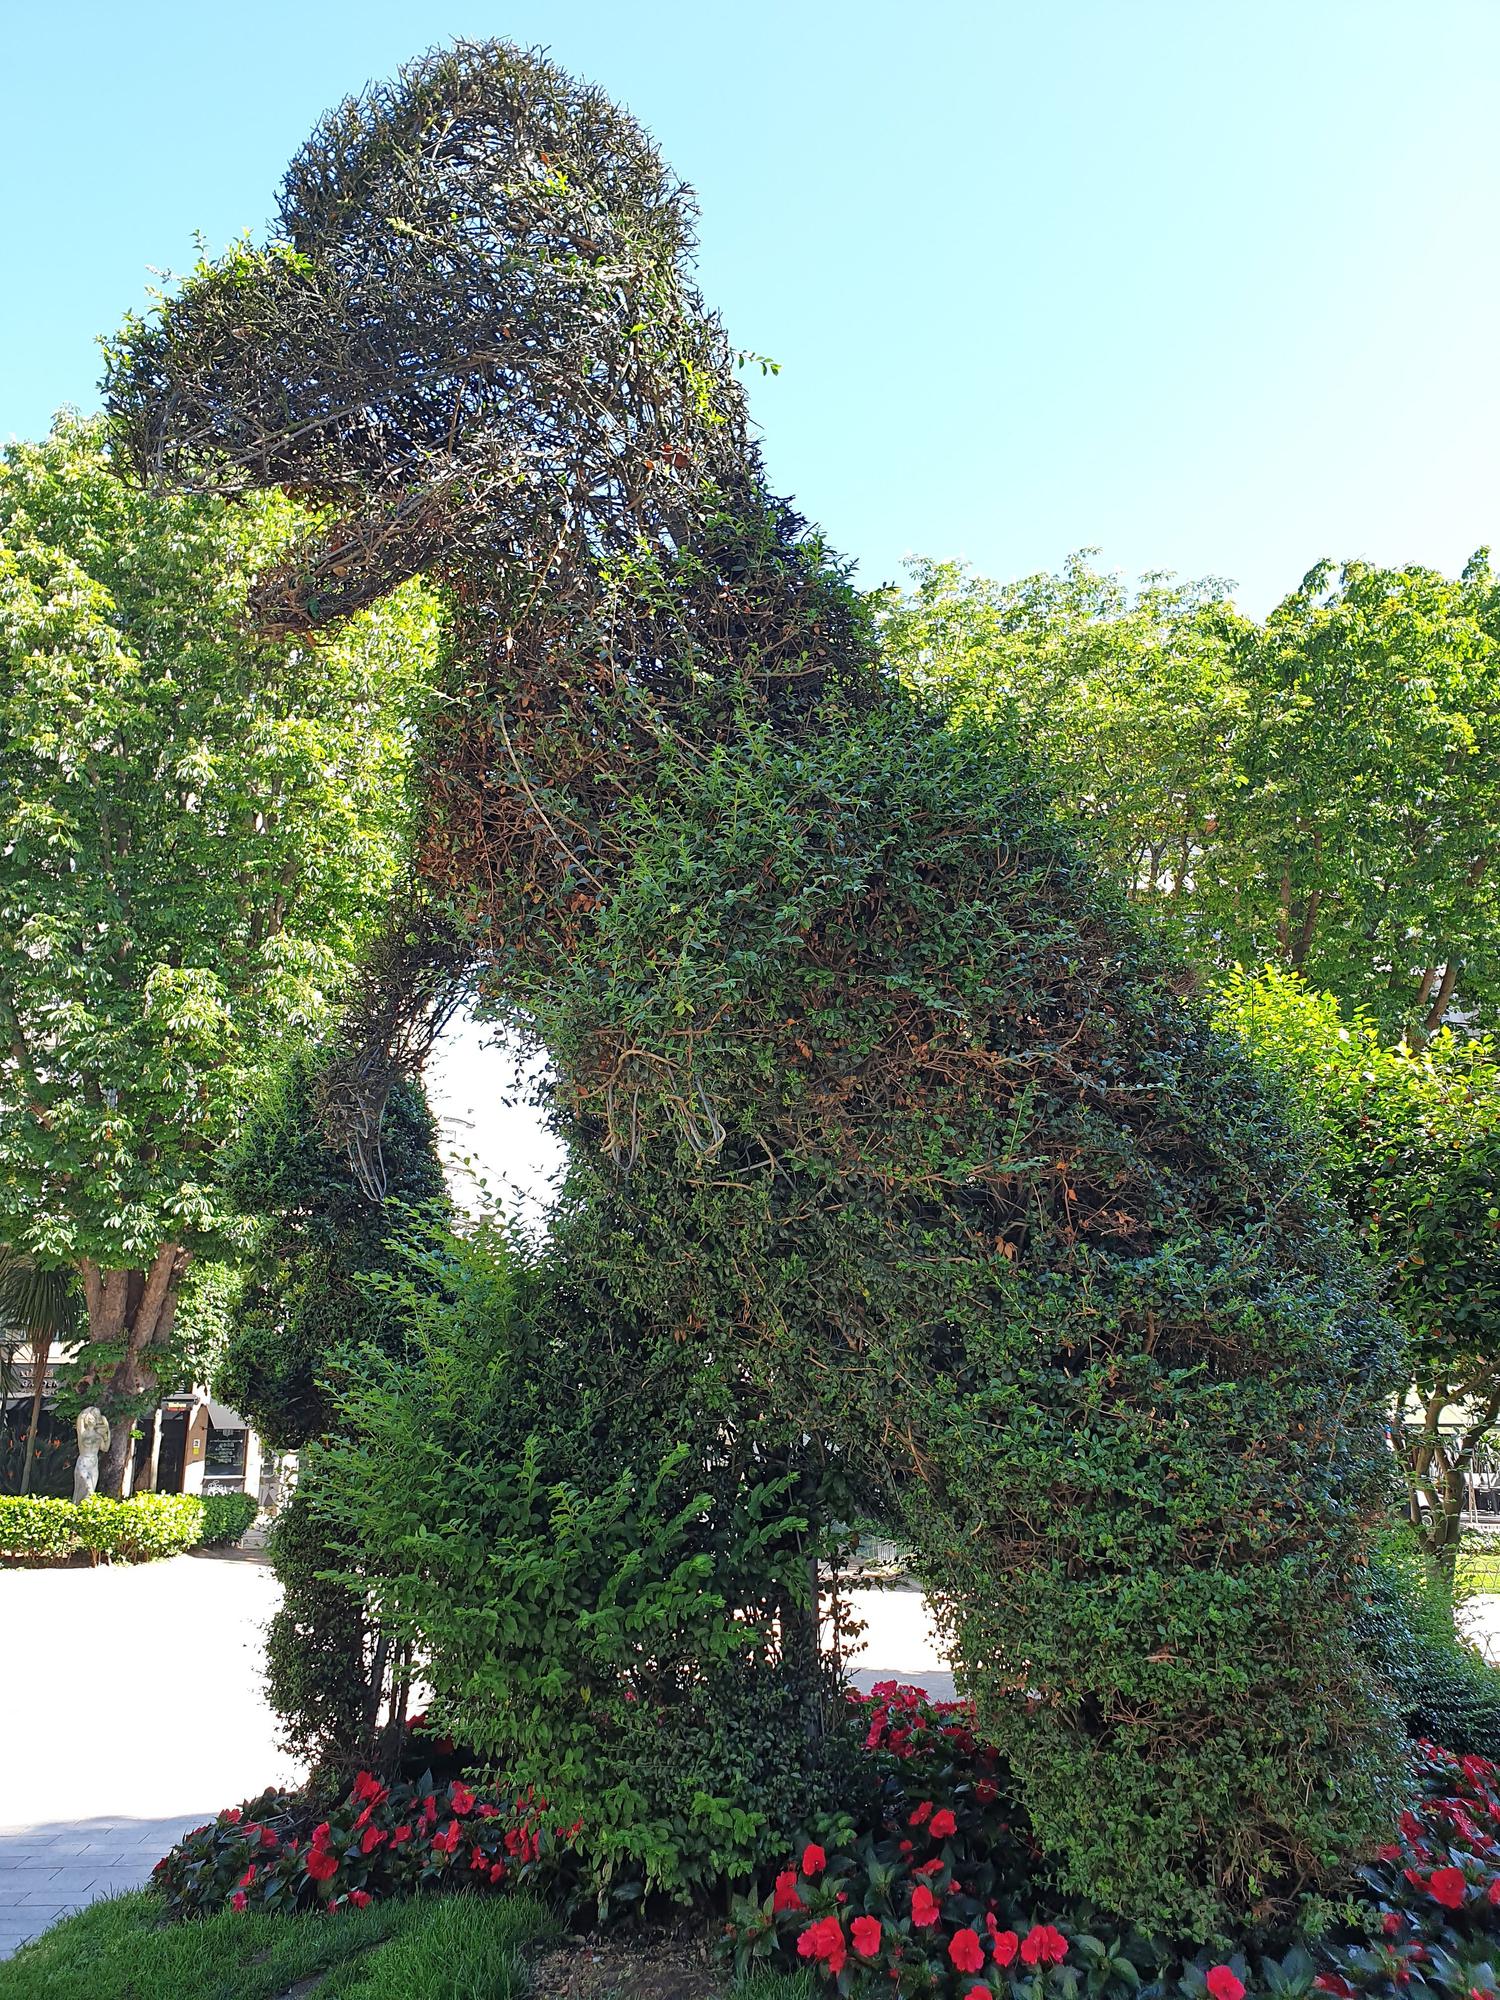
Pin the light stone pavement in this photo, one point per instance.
(135, 1710)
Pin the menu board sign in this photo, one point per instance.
(225, 1456)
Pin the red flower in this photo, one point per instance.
(429, 1809)
(321, 1865)
(462, 1798)
(1448, 1887)
(369, 1790)
(237, 1900)
(400, 1837)
(1493, 1891)
(924, 1906)
(966, 1951)
(943, 1823)
(359, 1898)
(497, 1873)
(248, 1877)
(825, 1941)
(372, 1838)
(1390, 1923)
(320, 1835)
(1042, 1945)
(1223, 1985)
(231, 1816)
(814, 1860)
(1004, 1944)
(922, 1814)
(478, 1860)
(866, 1934)
(933, 1867)
(447, 1841)
(979, 1993)
(267, 1838)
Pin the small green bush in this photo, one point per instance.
(226, 1516)
(135, 1530)
(34, 1529)
(142, 1528)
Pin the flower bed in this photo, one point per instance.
(381, 1840)
(943, 1896)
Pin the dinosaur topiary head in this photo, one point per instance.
(475, 334)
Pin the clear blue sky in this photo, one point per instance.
(1210, 283)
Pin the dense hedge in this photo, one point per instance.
(226, 1516)
(140, 1529)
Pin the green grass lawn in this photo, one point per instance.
(442, 1948)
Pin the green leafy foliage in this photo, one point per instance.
(1410, 1142)
(199, 829)
(566, 1540)
(1318, 791)
(140, 1529)
(315, 1294)
(318, 1640)
(903, 1184)
(1444, 1689)
(320, 1238)
(226, 1516)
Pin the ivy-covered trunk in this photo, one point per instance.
(130, 1313)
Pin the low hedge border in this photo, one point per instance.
(141, 1529)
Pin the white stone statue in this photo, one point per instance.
(93, 1437)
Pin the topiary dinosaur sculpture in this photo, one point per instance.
(903, 1175)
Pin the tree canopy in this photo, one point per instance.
(1319, 791)
(199, 831)
(1411, 1145)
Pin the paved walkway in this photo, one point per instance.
(138, 1713)
(899, 1642)
(134, 1711)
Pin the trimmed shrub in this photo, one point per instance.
(898, 1162)
(34, 1529)
(141, 1529)
(226, 1516)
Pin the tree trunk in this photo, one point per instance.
(41, 1348)
(133, 1310)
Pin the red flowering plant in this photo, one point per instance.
(945, 1897)
(277, 1852)
(927, 1898)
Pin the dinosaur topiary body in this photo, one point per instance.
(903, 1177)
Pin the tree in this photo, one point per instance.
(1411, 1144)
(1131, 699)
(199, 829)
(1319, 792)
(1365, 855)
